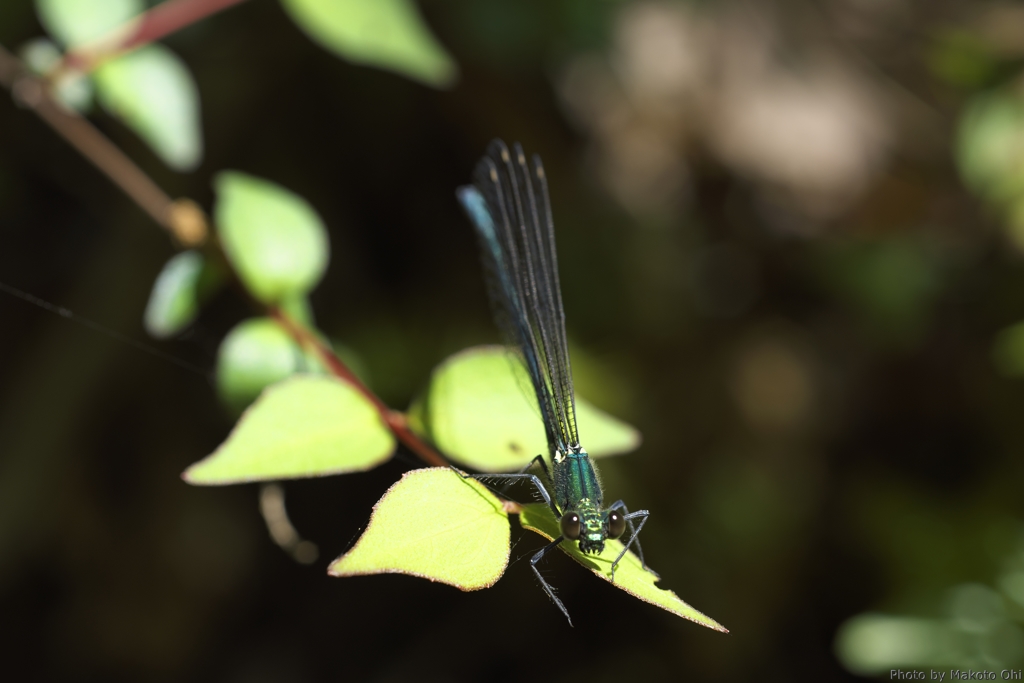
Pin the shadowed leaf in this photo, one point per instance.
(177, 292)
(255, 354)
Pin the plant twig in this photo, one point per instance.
(182, 218)
(394, 419)
(158, 22)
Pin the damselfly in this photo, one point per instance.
(509, 206)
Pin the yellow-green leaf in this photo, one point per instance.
(305, 426)
(274, 239)
(389, 34)
(630, 575)
(152, 91)
(436, 525)
(73, 22)
(477, 410)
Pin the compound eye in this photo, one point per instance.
(570, 525)
(616, 524)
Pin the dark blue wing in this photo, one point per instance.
(509, 206)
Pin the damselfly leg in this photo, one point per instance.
(520, 476)
(642, 516)
(544, 584)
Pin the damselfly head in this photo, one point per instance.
(586, 525)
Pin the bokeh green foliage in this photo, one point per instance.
(979, 627)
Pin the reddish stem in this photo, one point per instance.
(162, 20)
(394, 419)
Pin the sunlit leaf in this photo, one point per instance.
(630, 575)
(478, 412)
(174, 301)
(273, 238)
(152, 91)
(306, 426)
(255, 354)
(389, 34)
(436, 525)
(73, 22)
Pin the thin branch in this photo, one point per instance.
(394, 419)
(31, 92)
(162, 20)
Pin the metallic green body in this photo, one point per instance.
(578, 490)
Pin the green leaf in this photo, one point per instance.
(152, 91)
(477, 411)
(388, 34)
(630, 575)
(257, 353)
(273, 238)
(306, 426)
(73, 22)
(436, 525)
(177, 291)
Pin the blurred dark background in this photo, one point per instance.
(771, 266)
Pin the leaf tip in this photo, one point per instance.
(188, 476)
